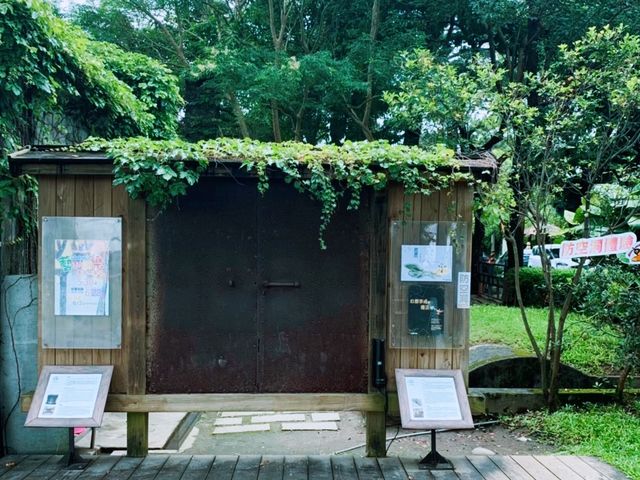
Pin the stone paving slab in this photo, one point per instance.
(306, 426)
(258, 427)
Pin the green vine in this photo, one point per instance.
(160, 171)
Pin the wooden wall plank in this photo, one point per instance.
(412, 214)
(120, 208)
(446, 213)
(102, 188)
(83, 208)
(393, 355)
(430, 209)
(46, 207)
(135, 321)
(65, 207)
(465, 214)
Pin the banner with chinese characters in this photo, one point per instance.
(598, 246)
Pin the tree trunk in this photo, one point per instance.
(239, 114)
(275, 121)
(622, 381)
(277, 37)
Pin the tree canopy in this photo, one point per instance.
(58, 83)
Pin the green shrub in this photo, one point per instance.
(533, 288)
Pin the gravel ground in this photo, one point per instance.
(351, 434)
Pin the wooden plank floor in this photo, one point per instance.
(272, 467)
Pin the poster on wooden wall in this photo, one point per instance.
(81, 281)
(426, 263)
(81, 277)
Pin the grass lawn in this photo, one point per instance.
(587, 347)
(609, 432)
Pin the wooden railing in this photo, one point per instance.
(491, 280)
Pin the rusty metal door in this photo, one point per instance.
(202, 295)
(312, 308)
(242, 298)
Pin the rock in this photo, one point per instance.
(523, 439)
(482, 451)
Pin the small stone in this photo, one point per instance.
(523, 439)
(482, 451)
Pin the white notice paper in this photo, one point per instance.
(464, 290)
(70, 395)
(433, 398)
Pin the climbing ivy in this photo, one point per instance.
(55, 82)
(160, 171)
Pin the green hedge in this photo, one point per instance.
(534, 291)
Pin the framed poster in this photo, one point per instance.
(69, 396)
(432, 399)
(81, 265)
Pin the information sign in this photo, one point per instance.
(433, 399)
(68, 396)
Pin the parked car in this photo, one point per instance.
(553, 253)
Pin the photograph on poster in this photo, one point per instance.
(426, 263)
(81, 277)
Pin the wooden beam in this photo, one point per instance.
(203, 402)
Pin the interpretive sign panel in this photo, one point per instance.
(431, 399)
(68, 396)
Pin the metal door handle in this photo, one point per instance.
(281, 284)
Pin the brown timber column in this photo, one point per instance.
(376, 430)
(134, 318)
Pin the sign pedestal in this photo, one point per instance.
(72, 460)
(434, 461)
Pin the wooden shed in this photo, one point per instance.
(229, 303)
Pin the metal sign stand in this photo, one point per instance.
(434, 461)
(72, 460)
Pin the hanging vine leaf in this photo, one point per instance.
(160, 171)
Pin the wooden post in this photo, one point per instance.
(376, 434)
(137, 434)
(134, 323)
(376, 430)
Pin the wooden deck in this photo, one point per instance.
(225, 467)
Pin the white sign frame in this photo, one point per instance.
(439, 394)
(84, 384)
